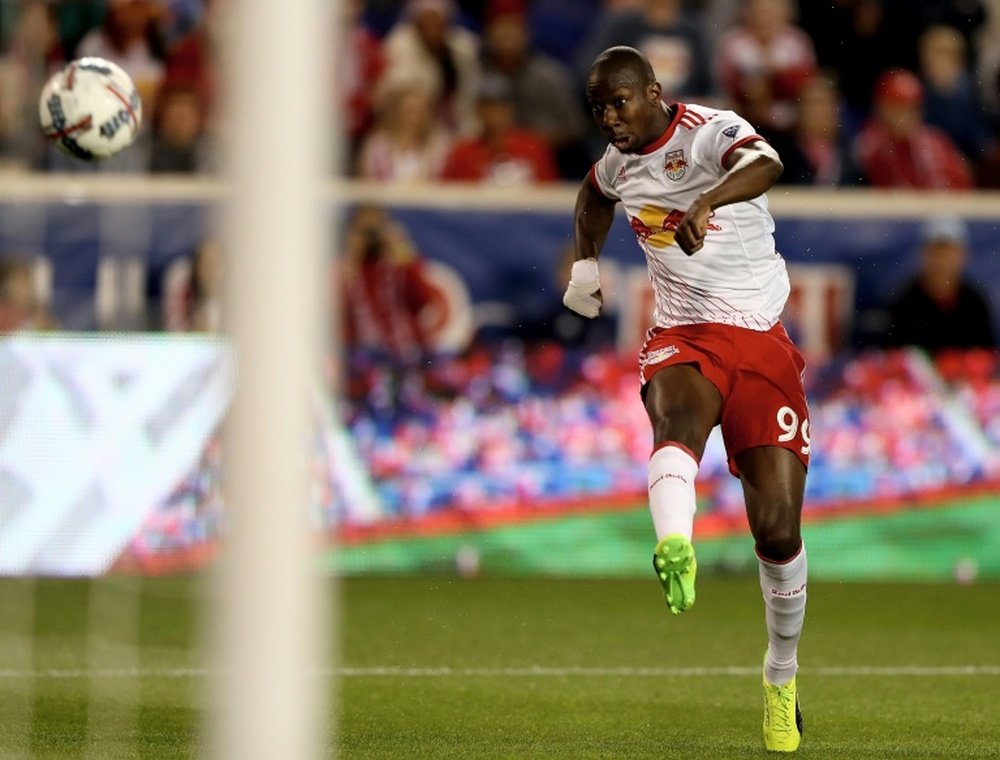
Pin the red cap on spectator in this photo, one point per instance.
(899, 86)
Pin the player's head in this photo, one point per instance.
(624, 99)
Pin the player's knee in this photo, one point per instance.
(777, 541)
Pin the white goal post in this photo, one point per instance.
(270, 628)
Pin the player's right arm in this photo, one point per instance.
(593, 216)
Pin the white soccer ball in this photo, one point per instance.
(91, 109)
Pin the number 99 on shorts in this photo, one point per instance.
(788, 423)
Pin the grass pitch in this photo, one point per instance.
(438, 667)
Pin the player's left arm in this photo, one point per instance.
(751, 169)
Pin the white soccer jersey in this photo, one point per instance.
(737, 278)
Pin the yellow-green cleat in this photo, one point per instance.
(782, 717)
(675, 566)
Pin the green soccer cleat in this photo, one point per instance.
(675, 566)
(782, 717)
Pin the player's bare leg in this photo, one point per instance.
(683, 407)
(773, 485)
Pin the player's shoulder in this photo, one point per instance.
(695, 116)
(612, 158)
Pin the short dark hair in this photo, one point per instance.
(626, 62)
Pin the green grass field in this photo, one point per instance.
(438, 667)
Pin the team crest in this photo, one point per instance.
(621, 176)
(732, 131)
(675, 165)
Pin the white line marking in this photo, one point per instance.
(536, 671)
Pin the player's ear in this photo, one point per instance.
(654, 91)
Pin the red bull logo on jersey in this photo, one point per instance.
(657, 225)
(675, 165)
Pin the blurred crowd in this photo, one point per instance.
(543, 428)
(536, 425)
(889, 93)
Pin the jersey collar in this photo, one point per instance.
(663, 139)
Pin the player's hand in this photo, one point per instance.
(583, 295)
(691, 230)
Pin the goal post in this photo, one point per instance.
(269, 622)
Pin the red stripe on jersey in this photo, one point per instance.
(739, 144)
(692, 119)
(663, 139)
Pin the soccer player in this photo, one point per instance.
(692, 181)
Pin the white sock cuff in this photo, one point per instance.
(675, 457)
(787, 570)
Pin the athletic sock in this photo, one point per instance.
(784, 587)
(672, 469)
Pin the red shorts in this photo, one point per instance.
(758, 374)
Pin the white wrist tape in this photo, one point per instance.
(584, 282)
(584, 272)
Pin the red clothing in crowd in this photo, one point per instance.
(385, 305)
(927, 160)
(191, 64)
(524, 157)
(360, 66)
(775, 71)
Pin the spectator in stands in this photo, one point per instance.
(192, 290)
(181, 17)
(206, 294)
(21, 307)
(34, 52)
(192, 60)
(427, 43)
(408, 142)
(950, 101)
(717, 17)
(671, 41)
(964, 16)
(764, 63)
(860, 39)
(818, 151)
(897, 148)
(987, 63)
(559, 26)
(501, 153)
(543, 91)
(179, 139)
(130, 36)
(940, 308)
(360, 64)
(390, 306)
